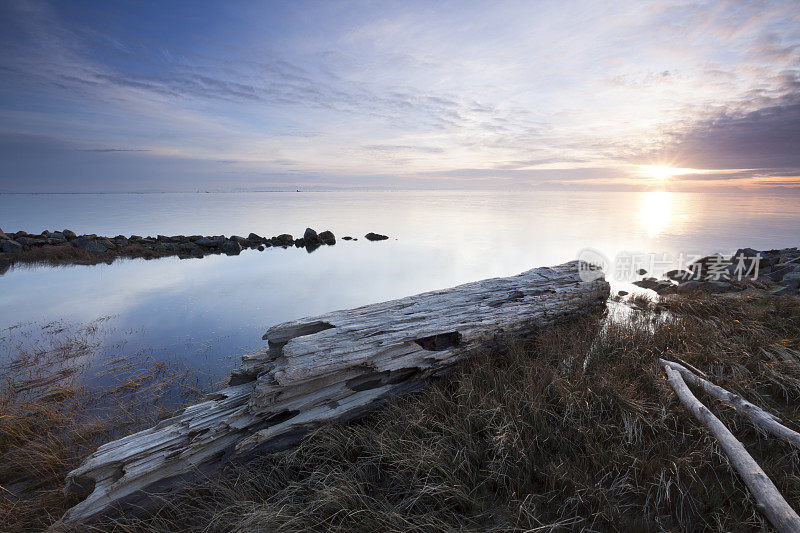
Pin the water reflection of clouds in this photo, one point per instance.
(438, 239)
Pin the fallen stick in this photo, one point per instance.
(768, 498)
(762, 419)
(333, 367)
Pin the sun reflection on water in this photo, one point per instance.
(655, 212)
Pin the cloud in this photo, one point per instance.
(765, 140)
(401, 93)
(104, 150)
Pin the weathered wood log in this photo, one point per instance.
(760, 418)
(768, 498)
(336, 366)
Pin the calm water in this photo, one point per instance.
(204, 311)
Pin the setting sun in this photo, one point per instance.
(659, 172)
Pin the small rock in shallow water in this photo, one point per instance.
(310, 237)
(283, 239)
(347, 238)
(623, 293)
(211, 242)
(90, 245)
(641, 272)
(327, 237)
(231, 247)
(375, 237)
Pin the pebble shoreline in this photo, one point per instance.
(66, 247)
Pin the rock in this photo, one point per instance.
(211, 242)
(310, 237)
(19, 234)
(622, 293)
(791, 280)
(194, 238)
(667, 288)
(31, 241)
(163, 238)
(11, 246)
(188, 247)
(69, 234)
(3, 236)
(347, 238)
(679, 275)
(745, 262)
(89, 244)
(230, 247)
(375, 237)
(241, 240)
(780, 270)
(648, 283)
(327, 237)
(301, 242)
(255, 240)
(283, 239)
(135, 238)
(106, 242)
(261, 248)
(641, 272)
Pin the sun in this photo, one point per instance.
(659, 173)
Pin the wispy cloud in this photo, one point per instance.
(412, 91)
(104, 150)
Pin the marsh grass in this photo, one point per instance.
(59, 255)
(575, 431)
(51, 417)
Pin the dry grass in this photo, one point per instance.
(576, 431)
(51, 418)
(54, 255)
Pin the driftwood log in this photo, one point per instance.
(768, 498)
(333, 367)
(765, 421)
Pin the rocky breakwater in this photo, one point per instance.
(66, 247)
(777, 271)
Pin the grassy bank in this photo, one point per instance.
(51, 417)
(575, 431)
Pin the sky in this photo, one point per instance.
(132, 96)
